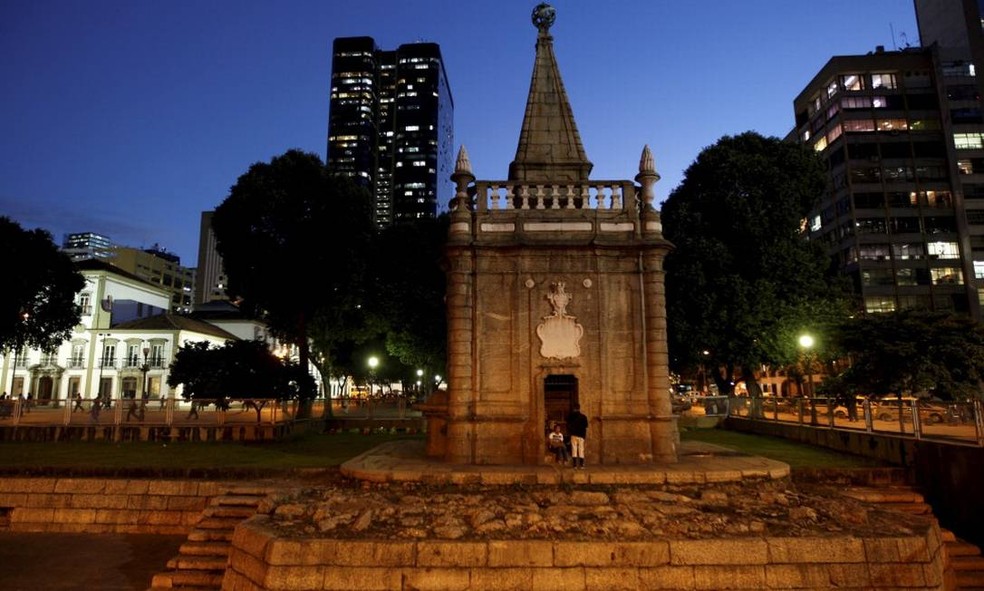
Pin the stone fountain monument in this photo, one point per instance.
(555, 298)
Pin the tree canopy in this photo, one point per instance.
(239, 370)
(406, 293)
(910, 352)
(294, 242)
(38, 306)
(742, 280)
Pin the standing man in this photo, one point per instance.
(577, 430)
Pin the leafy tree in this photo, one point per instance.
(239, 370)
(912, 351)
(38, 306)
(743, 281)
(294, 241)
(406, 296)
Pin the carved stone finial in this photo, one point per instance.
(544, 16)
(462, 177)
(463, 165)
(647, 163)
(646, 178)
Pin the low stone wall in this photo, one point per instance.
(97, 505)
(260, 560)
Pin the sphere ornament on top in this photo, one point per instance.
(544, 16)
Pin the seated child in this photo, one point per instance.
(555, 441)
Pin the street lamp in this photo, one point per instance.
(373, 364)
(145, 368)
(102, 364)
(806, 342)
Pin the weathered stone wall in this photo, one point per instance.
(97, 505)
(260, 561)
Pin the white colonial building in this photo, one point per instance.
(123, 346)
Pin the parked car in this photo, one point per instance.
(680, 403)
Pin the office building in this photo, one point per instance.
(903, 137)
(155, 265)
(390, 126)
(82, 246)
(160, 267)
(210, 279)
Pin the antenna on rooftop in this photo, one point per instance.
(891, 29)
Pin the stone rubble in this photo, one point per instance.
(349, 509)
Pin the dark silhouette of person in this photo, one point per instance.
(577, 431)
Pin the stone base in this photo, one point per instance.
(717, 519)
(261, 560)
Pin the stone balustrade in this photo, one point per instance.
(491, 196)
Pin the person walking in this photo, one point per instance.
(577, 430)
(78, 403)
(193, 411)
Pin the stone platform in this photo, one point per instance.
(715, 520)
(699, 463)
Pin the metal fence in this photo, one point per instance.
(956, 422)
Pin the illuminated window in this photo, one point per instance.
(878, 304)
(943, 250)
(852, 82)
(859, 125)
(946, 276)
(968, 141)
(883, 81)
(892, 125)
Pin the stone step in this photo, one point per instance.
(210, 535)
(967, 563)
(229, 523)
(911, 508)
(211, 548)
(233, 512)
(237, 500)
(248, 491)
(969, 579)
(888, 494)
(947, 535)
(181, 578)
(961, 548)
(198, 563)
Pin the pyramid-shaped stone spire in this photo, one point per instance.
(550, 149)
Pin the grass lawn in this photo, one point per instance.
(306, 450)
(797, 455)
(318, 450)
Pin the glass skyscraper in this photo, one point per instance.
(390, 126)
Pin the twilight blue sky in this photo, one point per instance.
(131, 117)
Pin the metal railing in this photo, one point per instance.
(199, 412)
(955, 422)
